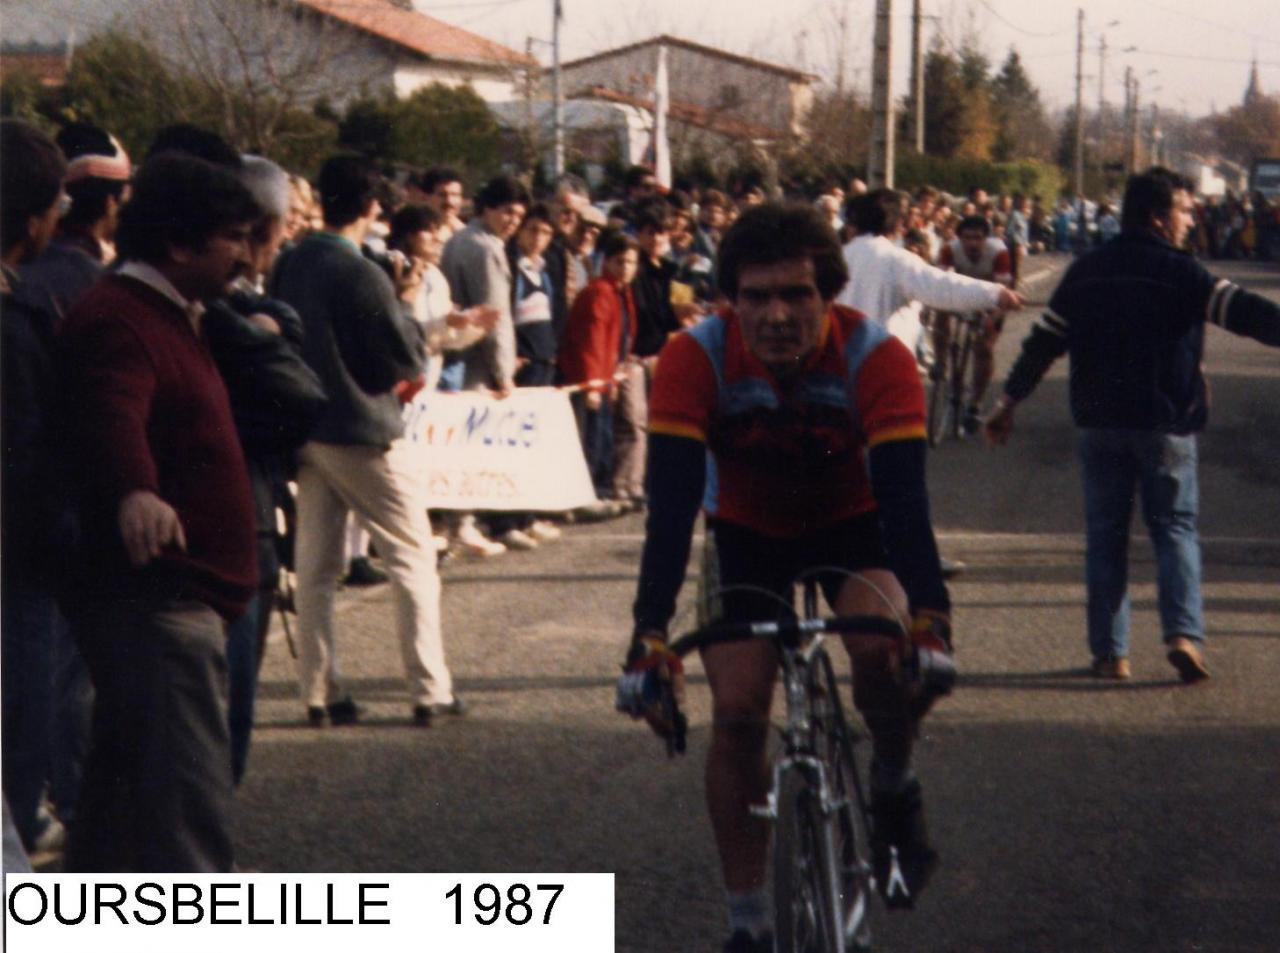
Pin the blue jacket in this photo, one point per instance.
(1131, 313)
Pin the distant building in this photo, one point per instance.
(47, 65)
(335, 49)
(1253, 92)
(405, 49)
(715, 87)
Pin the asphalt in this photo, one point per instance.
(1072, 815)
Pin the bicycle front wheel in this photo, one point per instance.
(806, 881)
(937, 417)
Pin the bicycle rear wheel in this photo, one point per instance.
(936, 419)
(959, 371)
(936, 424)
(806, 880)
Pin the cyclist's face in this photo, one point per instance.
(973, 240)
(781, 311)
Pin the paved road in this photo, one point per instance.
(1073, 816)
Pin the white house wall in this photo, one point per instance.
(409, 78)
(764, 97)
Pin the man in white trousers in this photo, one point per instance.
(361, 340)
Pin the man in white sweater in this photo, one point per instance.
(884, 279)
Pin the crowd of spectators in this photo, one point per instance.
(208, 306)
(1237, 227)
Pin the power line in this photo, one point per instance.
(1013, 26)
(1213, 23)
(1235, 60)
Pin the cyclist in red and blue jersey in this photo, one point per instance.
(798, 426)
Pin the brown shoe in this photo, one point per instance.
(1114, 668)
(1186, 657)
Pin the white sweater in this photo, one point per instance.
(885, 281)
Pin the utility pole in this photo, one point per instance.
(1128, 110)
(1079, 162)
(843, 23)
(557, 92)
(1133, 128)
(1156, 157)
(880, 163)
(917, 74)
(1102, 97)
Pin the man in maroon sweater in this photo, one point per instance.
(168, 548)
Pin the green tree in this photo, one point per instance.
(834, 147)
(124, 86)
(440, 125)
(366, 126)
(1249, 130)
(959, 115)
(1024, 129)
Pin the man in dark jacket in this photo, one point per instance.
(167, 556)
(98, 173)
(276, 399)
(361, 339)
(34, 517)
(1132, 315)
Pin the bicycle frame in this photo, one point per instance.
(823, 880)
(947, 389)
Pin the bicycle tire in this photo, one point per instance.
(959, 368)
(935, 425)
(806, 882)
(936, 416)
(833, 740)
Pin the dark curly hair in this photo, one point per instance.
(179, 200)
(775, 232)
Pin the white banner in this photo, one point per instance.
(481, 453)
(319, 913)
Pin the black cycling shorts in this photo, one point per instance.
(744, 557)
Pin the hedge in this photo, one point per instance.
(958, 176)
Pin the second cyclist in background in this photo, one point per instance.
(975, 253)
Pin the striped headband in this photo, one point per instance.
(96, 166)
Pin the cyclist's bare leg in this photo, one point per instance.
(876, 691)
(741, 676)
(897, 811)
(984, 360)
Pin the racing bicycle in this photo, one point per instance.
(950, 370)
(823, 879)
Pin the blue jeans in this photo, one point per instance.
(1162, 467)
(596, 429)
(242, 682)
(27, 633)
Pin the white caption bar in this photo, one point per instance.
(321, 913)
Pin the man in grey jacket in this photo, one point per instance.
(362, 341)
(476, 266)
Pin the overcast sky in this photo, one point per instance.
(1201, 51)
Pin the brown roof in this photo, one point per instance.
(419, 32)
(687, 113)
(796, 76)
(50, 69)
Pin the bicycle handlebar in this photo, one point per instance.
(786, 631)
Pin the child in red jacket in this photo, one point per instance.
(598, 336)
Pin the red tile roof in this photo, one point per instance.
(795, 75)
(687, 113)
(50, 69)
(419, 32)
